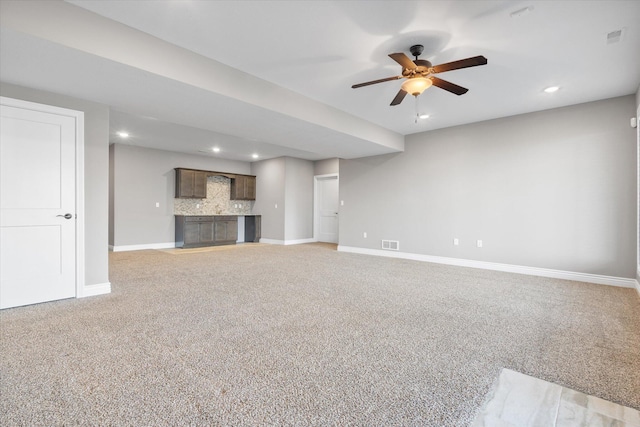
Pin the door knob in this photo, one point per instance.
(66, 216)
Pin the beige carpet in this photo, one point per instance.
(306, 335)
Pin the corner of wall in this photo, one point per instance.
(111, 193)
(638, 190)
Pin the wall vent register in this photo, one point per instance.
(391, 245)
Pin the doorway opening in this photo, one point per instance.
(326, 208)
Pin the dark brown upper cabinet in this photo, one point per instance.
(191, 184)
(243, 187)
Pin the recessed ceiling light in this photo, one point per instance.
(216, 149)
(552, 89)
(255, 156)
(424, 116)
(123, 134)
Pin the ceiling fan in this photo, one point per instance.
(420, 74)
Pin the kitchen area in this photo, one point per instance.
(214, 208)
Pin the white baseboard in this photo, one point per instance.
(287, 242)
(93, 290)
(124, 248)
(299, 241)
(271, 241)
(510, 268)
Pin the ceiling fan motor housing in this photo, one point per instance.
(416, 50)
(422, 69)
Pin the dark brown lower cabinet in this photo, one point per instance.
(226, 230)
(210, 230)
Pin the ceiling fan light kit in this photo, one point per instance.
(416, 85)
(420, 74)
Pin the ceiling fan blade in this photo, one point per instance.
(448, 86)
(399, 97)
(403, 60)
(376, 81)
(463, 63)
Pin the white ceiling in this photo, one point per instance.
(274, 77)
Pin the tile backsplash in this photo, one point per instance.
(216, 203)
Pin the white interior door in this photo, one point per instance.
(37, 206)
(327, 209)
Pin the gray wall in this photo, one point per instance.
(299, 199)
(111, 193)
(638, 195)
(554, 189)
(287, 182)
(142, 177)
(96, 174)
(326, 166)
(270, 189)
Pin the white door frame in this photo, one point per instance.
(78, 116)
(316, 216)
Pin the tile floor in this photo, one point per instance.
(519, 400)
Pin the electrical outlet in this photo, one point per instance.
(479, 243)
(456, 242)
(157, 204)
(364, 234)
(341, 202)
(276, 206)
